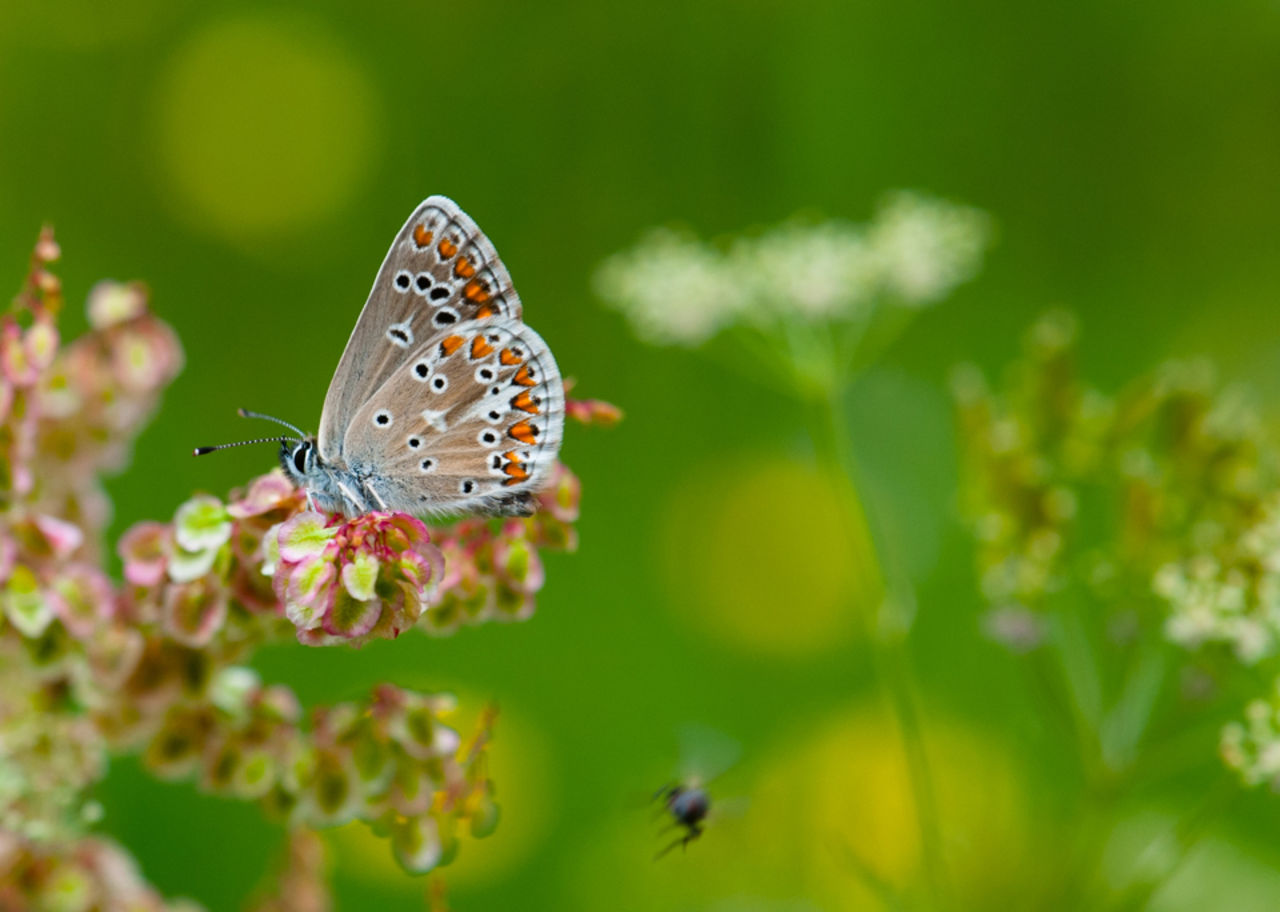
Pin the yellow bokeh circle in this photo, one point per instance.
(766, 557)
(262, 125)
(845, 789)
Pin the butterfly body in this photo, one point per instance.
(444, 402)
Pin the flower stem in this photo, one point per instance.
(887, 627)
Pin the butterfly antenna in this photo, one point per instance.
(200, 451)
(245, 413)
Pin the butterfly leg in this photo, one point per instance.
(311, 504)
(374, 494)
(358, 505)
(520, 504)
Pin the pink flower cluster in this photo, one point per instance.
(391, 761)
(590, 411)
(91, 666)
(90, 874)
(231, 572)
(494, 573)
(593, 411)
(368, 577)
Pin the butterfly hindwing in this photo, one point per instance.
(441, 272)
(470, 423)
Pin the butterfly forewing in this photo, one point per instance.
(441, 272)
(470, 422)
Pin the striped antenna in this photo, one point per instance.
(245, 413)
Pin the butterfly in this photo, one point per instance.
(444, 402)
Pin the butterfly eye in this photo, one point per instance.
(300, 458)
(444, 316)
(422, 370)
(402, 280)
(427, 465)
(382, 418)
(439, 384)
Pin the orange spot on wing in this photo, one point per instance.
(476, 291)
(514, 470)
(447, 248)
(522, 431)
(421, 236)
(508, 358)
(463, 268)
(525, 403)
(480, 347)
(487, 310)
(451, 345)
(522, 377)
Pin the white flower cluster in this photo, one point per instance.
(1235, 602)
(673, 288)
(924, 247)
(678, 290)
(1252, 747)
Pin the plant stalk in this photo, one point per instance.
(887, 628)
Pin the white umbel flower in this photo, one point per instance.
(677, 290)
(673, 289)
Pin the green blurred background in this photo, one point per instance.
(252, 164)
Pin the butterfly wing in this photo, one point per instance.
(470, 423)
(441, 271)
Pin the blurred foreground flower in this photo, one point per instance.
(89, 874)
(89, 667)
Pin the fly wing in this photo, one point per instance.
(441, 271)
(471, 423)
(705, 753)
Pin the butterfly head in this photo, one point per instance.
(298, 459)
